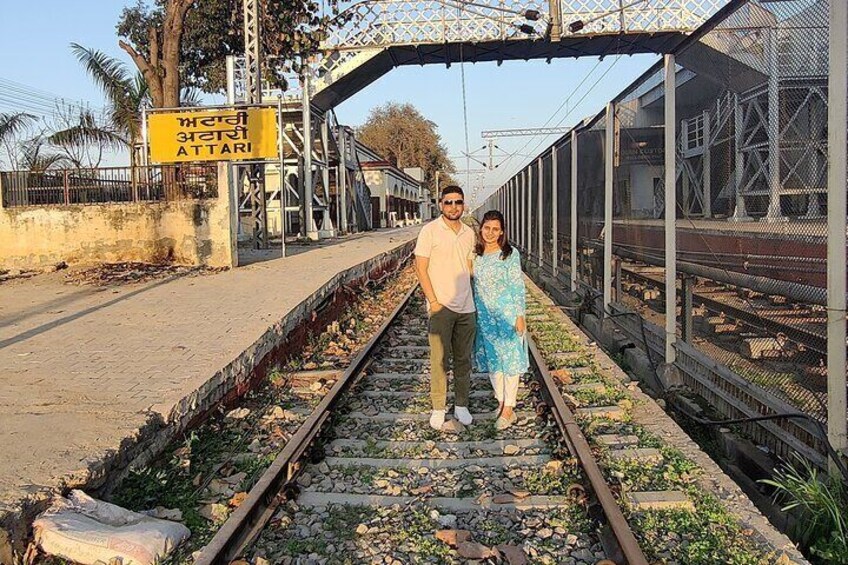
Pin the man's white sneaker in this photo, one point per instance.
(463, 415)
(437, 419)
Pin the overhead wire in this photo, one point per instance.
(464, 113)
(570, 110)
(19, 97)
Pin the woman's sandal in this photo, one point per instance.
(503, 423)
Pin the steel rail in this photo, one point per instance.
(811, 340)
(624, 537)
(251, 517)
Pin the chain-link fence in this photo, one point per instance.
(562, 196)
(750, 225)
(751, 168)
(590, 204)
(639, 198)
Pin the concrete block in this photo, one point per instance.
(640, 366)
(610, 412)
(669, 376)
(592, 325)
(638, 362)
(593, 387)
(641, 454)
(660, 500)
(617, 441)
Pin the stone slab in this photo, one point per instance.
(660, 500)
(641, 454)
(617, 441)
(494, 445)
(381, 463)
(425, 416)
(610, 412)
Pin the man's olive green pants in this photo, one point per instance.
(451, 336)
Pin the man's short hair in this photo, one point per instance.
(451, 189)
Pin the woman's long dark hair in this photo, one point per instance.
(503, 240)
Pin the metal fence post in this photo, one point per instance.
(540, 181)
(519, 204)
(707, 168)
(528, 205)
(307, 228)
(342, 192)
(774, 213)
(554, 211)
(608, 173)
(688, 283)
(573, 225)
(670, 210)
(837, 117)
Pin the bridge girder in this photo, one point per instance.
(374, 36)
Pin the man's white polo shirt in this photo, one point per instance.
(449, 254)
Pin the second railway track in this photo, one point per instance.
(366, 480)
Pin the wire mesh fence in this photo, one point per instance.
(751, 162)
(546, 211)
(590, 204)
(750, 216)
(638, 199)
(563, 200)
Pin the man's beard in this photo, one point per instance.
(453, 215)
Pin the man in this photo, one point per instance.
(443, 256)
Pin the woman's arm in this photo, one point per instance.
(515, 291)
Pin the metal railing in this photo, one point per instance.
(380, 23)
(65, 187)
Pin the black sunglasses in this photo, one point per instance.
(459, 202)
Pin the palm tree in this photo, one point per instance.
(85, 138)
(11, 125)
(127, 95)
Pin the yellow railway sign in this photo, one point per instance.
(213, 135)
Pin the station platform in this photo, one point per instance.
(94, 377)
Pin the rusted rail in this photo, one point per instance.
(627, 545)
(814, 341)
(245, 524)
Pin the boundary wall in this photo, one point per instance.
(189, 232)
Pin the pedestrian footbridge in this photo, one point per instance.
(372, 37)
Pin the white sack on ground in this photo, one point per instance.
(87, 531)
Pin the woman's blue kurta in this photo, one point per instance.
(499, 299)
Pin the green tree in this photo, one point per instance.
(127, 95)
(12, 126)
(24, 147)
(178, 43)
(405, 138)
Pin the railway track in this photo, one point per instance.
(366, 480)
(769, 322)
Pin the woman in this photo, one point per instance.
(501, 347)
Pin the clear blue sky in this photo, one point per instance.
(516, 94)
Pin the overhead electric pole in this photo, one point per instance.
(253, 66)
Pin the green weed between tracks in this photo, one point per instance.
(710, 535)
(821, 502)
